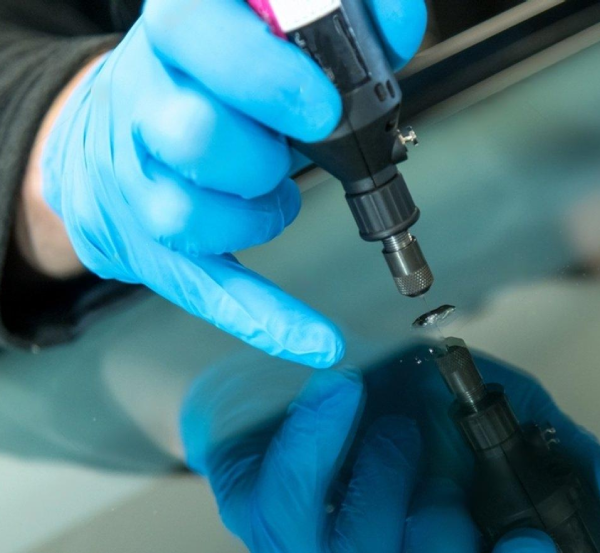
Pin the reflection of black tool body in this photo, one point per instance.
(521, 480)
(365, 148)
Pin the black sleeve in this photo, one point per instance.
(43, 43)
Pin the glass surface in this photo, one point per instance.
(509, 188)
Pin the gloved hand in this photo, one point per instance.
(273, 487)
(439, 519)
(309, 480)
(171, 155)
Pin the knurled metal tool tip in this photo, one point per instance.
(410, 270)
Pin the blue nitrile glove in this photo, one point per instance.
(274, 483)
(170, 156)
(274, 474)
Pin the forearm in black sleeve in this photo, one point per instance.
(43, 44)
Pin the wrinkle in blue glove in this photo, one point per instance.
(171, 155)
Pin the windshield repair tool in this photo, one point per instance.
(366, 146)
(521, 479)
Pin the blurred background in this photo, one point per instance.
(504, 97)
(452, 17)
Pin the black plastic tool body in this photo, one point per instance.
(521, 481)
(521, 478)
(364, 149)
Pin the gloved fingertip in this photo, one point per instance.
(322, 112)
(321, 346)
(402, 26)
(525, 540)
(298, 100)
(337, 352)
(328, 359)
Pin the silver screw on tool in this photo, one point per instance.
(408, 136)
(549, 435)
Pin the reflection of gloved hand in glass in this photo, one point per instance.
(395, 488)
(439, 520)
(170, 155)
(273, 486)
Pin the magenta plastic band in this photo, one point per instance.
(265, 11)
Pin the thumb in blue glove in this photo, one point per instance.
(171, 155)
(273, 490)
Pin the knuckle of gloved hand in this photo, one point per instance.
(210, 146)
(195, 221)
(176, 130)
(173, 218)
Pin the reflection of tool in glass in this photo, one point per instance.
(366, 146)
(521, 479)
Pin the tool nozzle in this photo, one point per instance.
(460, 373)
(408, 265)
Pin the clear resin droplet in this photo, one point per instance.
(434, 317)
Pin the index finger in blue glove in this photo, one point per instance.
(224, 45)
(223, 292)
(401, 25)
(380, 490)
(252, 308)
(525, 541)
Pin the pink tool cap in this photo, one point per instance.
(265, 11)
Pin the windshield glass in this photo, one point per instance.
(507, 179)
